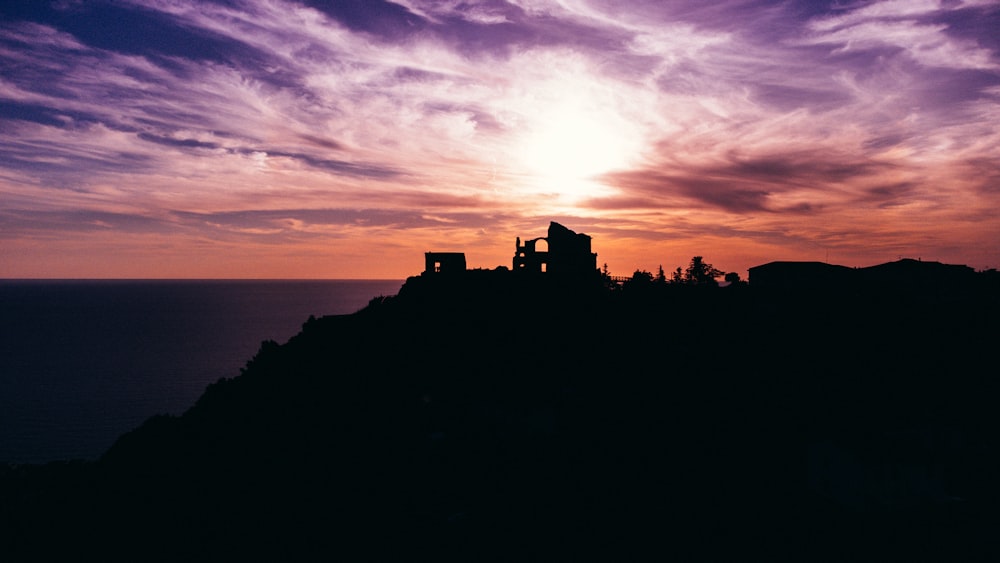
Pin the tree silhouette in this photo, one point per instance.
(661, 277)
(677, 276)
(700, 272)
(640, 282)
(606, 281)
(642, 277)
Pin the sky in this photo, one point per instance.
(343, 139)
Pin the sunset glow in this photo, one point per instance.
(571, 144)
(306, 139)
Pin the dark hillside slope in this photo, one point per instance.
(482, 417)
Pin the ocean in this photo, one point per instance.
(84, 361)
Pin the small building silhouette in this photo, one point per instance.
(918, 274)
(800, 275)
(903, 275)
(444, 262)
(568, 254)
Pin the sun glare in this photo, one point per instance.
(572, 143)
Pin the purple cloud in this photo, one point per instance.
(762, 127)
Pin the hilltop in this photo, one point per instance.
(489, 414)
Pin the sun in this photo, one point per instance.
(573, 142)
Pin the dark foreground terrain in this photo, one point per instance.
(479, 417)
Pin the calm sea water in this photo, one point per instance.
(82, 362)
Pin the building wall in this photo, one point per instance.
(568, 254)
(444, 262)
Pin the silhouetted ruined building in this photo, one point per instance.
(568, 254)
(444, 262)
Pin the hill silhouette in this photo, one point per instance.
(498, 415)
